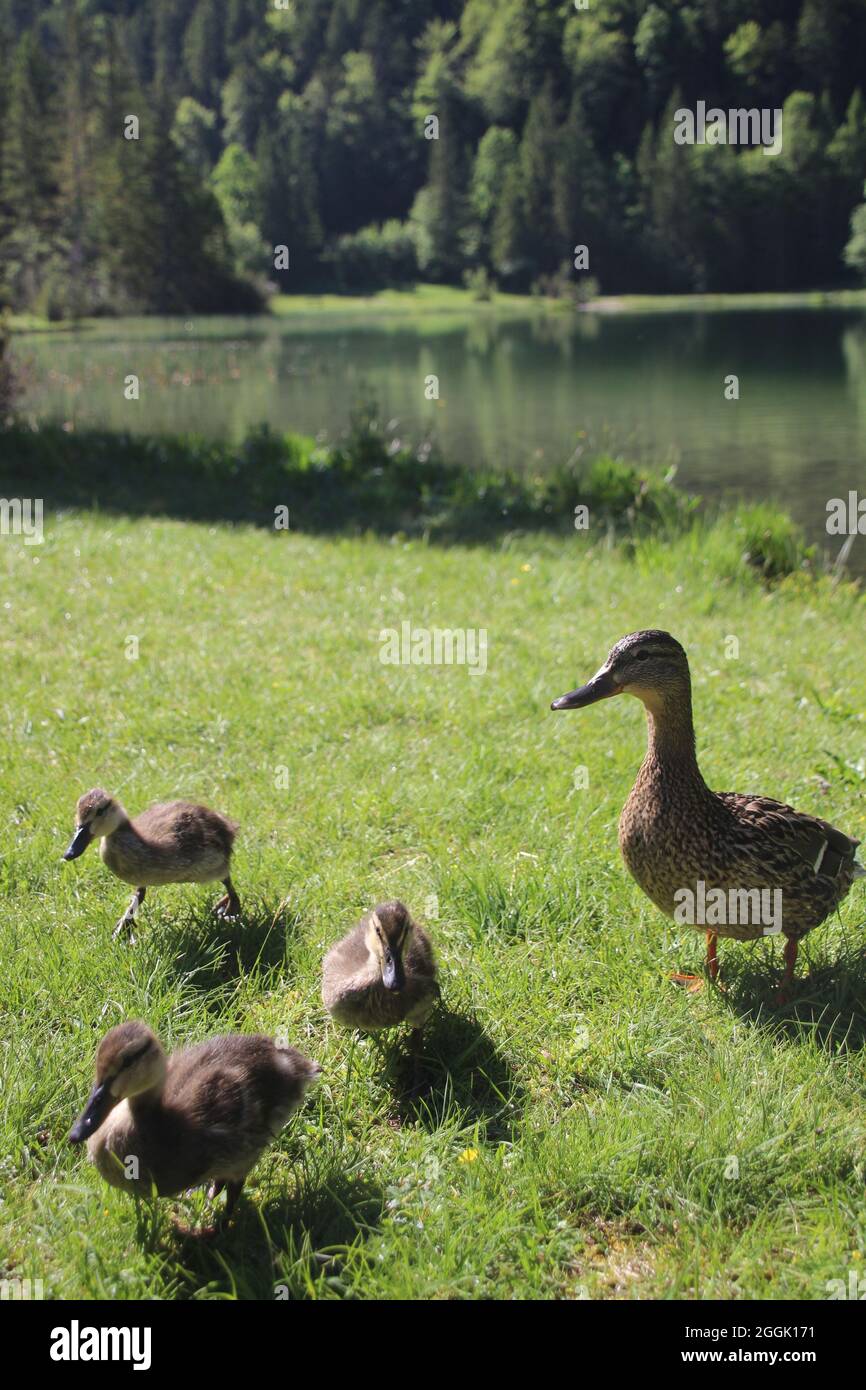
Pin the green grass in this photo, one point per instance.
(369, 480)
(419, 299)
(582, 1113)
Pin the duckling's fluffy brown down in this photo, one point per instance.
(174, 842)
(352, 989)
(223, 1101)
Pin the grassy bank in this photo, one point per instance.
(371, 481)
(428, 301)
(432, 302)
(720, 303)
(584, 1119)
(417, 300)
(447, 299)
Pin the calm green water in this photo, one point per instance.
(512, 391)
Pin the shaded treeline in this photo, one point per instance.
(307, 127)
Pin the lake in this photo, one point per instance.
(521, 391)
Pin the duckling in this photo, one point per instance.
(176, 842)
(382, 973)
(204, 1114)
(675, 833)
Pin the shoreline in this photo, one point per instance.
(426, 300)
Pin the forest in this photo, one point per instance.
(384, 142)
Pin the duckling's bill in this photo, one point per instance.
(99, 1102)
(79, 842)
(393, 974)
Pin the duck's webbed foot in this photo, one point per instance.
(232, 1189)
(693, 984)
(230, 905)
(126, 921)
(193, 1232)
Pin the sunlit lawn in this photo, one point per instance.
(584, 1120)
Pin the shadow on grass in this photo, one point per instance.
(827, 1004)
(211, 953)
(460, 1071)
(281, 1248)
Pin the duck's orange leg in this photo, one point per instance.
(712, 956)
(792, 946)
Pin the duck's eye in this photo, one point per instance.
(641, 656)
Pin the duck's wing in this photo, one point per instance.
(783, 841)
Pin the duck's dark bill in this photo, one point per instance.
(392, 973)
(79, 842)
(95, 1111)
(601, 687)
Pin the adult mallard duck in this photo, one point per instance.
(176, 842)
(732, 853)
(164, 1124)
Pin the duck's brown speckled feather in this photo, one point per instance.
(675, 832)
(730, 841)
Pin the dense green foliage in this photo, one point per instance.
(306, 127)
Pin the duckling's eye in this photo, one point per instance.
(641, 656)
(133, 1056)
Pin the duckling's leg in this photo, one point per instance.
(129, 915)
(230, 905)
(792, 946)
(233, 1191)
